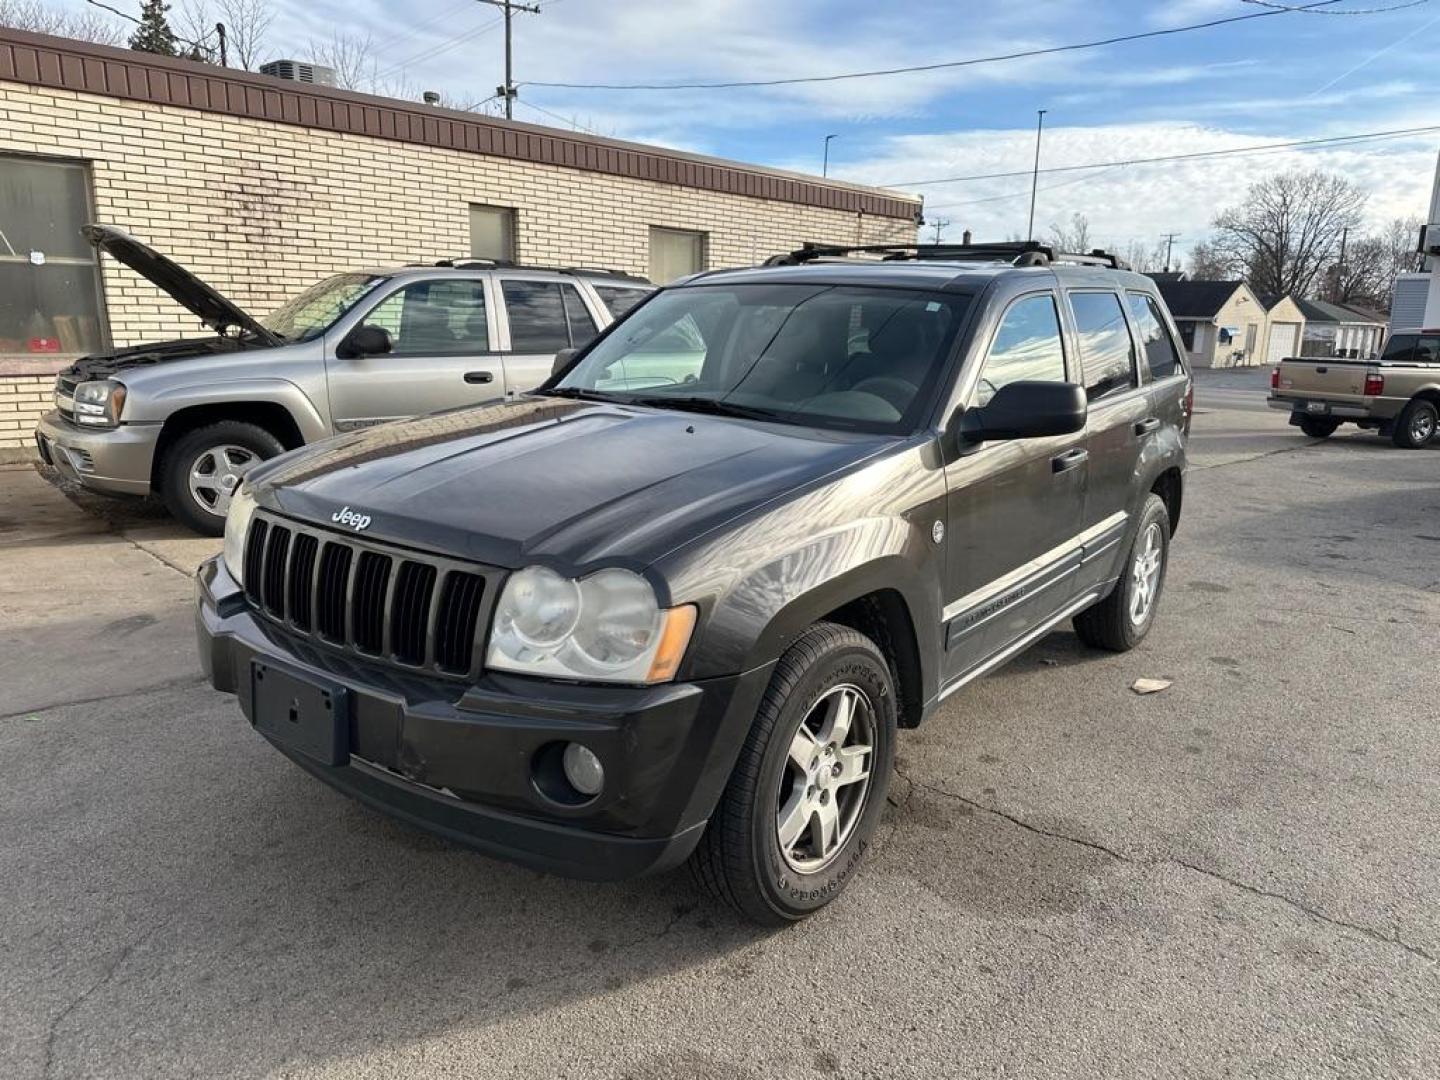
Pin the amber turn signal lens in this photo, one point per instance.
(679, 623)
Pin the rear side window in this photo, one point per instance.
(545, 316)
(1107, 352)
(1160, 354)
(1427, 351)
(577, 315)
(1400, 349)
(618, 299)
(1027, 347)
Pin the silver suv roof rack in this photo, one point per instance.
(506, 264)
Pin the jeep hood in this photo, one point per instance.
(543, 479)
(212, 309)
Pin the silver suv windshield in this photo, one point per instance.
(851, 357)
(315, 310)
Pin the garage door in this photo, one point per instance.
(1282, 341)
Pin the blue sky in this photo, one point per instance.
(1291, 76)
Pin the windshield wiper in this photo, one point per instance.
(711, 406)
(583, 394)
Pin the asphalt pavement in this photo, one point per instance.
(1233, 877)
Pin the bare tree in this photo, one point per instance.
(1208, 263)
(247, 27)
(1074, 238)
(40, 18)
(1145, 258)
(1367, 273)
(1288, 230)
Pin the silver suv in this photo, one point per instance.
(187, 419)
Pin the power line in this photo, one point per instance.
(556, 116)
(1305, 10)
(444, 46)
(1398, 133)
(198, 46)
(971, 62)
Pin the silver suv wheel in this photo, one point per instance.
(216, 473)
(826, 779)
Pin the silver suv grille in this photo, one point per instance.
(419, 612)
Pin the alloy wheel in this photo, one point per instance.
(826, 779)
(216, 473)
(1145, 573)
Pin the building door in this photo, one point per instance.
(1284, 337)
(49, 276)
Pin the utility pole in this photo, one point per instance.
(825, 167)
(1170, 239)
(1035, 174)
(939, 225)
(508, 91)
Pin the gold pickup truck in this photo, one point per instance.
(1396, 393)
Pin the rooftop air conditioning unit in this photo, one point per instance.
(299, 71)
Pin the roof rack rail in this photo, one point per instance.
(506, 264)
(1015, 252)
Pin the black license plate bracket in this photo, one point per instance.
(308, 715)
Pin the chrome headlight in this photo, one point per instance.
(606, 627)
(237, 527)
(98, 404)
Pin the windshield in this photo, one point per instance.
(828, 356)
(315, 310)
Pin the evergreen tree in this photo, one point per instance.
(154, 35)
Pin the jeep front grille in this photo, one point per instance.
(417, 611)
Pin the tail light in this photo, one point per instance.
(1374, 385)
(1275, 378)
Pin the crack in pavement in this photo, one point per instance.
(172, 684)
(47, 1062)
(190, 572)
(1257, 457)
(1392, 938)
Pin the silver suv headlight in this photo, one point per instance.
(606, 627)
(98, 404)
(237, 527)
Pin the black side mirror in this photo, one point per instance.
(1025, 410)
(562, 360)
(366, 340)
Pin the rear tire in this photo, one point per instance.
(204, 466)
(1318, 428)
(1113, 623)
(823, 805)
(1416, 424)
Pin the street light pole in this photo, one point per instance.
(825, 167)
(1035, 173)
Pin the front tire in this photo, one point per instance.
(809, 787)
(205, 466)
(1120, 621)
(1416, 424)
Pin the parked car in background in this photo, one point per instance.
(1396, 393)
(188, 419)
(646, 614)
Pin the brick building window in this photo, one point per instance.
(675, 253)
(49, 275)
(492, 233)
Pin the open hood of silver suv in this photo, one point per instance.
(214, 310)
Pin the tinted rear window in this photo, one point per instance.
(618, 299)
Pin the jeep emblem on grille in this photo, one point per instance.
(346, 516)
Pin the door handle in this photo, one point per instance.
(1321, 370)
(1148, 425)
(479, 377)
(1069, 460)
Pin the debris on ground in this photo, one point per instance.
(1150, 686)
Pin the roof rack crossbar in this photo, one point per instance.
(506, 264)
(1015, 252)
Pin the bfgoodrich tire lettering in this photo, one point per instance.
(740, 858)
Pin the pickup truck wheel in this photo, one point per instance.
(809, 787)
(1317, 427)
(206, 465)
(1121, 620)
(1416, 424)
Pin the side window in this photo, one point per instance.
(619, 299)
(1160, 354)
(1400, 348)
(1107, 353)
(1027, 347)
(537, 316)
(435, 318)
(582, 323)
(1427, 351)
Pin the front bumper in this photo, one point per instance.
(114, 460)
(461, 760)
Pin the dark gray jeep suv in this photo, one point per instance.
(675, 603)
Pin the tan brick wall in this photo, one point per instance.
(262, 210)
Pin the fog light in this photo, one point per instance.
(583, 769)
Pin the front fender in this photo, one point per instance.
(159, 405)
